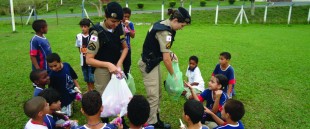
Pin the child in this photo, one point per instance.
(226, 69)
(194, 77)
(40, 78)
(63, 80)
(36, 108)
(53, 98)
(92, 108)
(232, 113)
(214, 95)
(39, 46)
(82, 40)
(138, 112)
(130, 33)
(193, 111)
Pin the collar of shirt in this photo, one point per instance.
(192, 70)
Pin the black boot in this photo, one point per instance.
(160, 124)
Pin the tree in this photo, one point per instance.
(252, 7)
(98, 5)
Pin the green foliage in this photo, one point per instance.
(231, 2)
(104, 6)
(71, 9)
(203, 3)
(140, 5)
(172, 3)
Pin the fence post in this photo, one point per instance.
(12, 15)
(162, 10)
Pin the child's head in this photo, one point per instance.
(224, 58)
(218, 82)
(91, 103)
(138, 110)
(39, 77)
(54, 62)
(193, 111)
(36, 107)
(84, 24)
(52, 97)
(40, 26)
(193, 62)
(233, 109)
(127, 14)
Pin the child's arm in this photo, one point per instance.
(34, 62)
(131, 29)
(192, 91)
(229, 90)
(76, 83)
(218, 120)
(215, 107)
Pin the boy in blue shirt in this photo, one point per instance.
(63, 80)
(226, 69)
(81, 42)
(92, 108)
(193, 111)
(40, 78)
(214, 95)
(130, 33)
(232, 113)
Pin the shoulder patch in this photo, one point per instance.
(168, 38)
(91, 46)
(168, 45)
(94, 38)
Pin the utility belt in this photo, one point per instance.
(151, 61)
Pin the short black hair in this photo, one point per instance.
(226, 55)
(84, 22)
(37, 25)
(91, 102)
(34, 75)
(127, 10)
(235, 109)
(194, 109)
(50, 95)
(53, 57)
(222, 79)
(138, 110)
(33, 106)
(194, 58)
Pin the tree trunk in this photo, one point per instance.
(252, 7)
(97, 7)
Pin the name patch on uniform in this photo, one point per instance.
(94, 38)
(122, 36)
(91, 47)
(168, 38)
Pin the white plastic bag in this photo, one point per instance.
(115, 97)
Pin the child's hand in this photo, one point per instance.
(119, 126)
(218, 93)
(207, 110)
(188, 85)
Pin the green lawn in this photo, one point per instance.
(271, 63)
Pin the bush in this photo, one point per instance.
(104, 6)
(172, 4)
(4, 11)
(140, 5)
(71, 9)
(203, 3)
(231, 2)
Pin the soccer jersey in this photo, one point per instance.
(33, 125)
(40, 48)
(229, 126)
(105, 126)
(50, 122)
(131, 26)
(62, 81)
(37, 90)
(195, 76)
(228, 72)
(82, 42)
(208, 96)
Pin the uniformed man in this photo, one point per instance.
(156, 48)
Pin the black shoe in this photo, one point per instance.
(161, 125)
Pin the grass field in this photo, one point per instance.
(271, 63)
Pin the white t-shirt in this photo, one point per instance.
(83, 46)
(31, 125)
(195, 76)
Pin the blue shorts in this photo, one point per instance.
(87, 73)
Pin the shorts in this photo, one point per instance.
(87, 74)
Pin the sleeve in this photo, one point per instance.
(34, 45)
(215, 71)
(72, 72)
(77, 41)
(197, 76)
(231, 76)
(93, 45)
(131, 26)
(164, 39)
(203, 95)
(222, 101)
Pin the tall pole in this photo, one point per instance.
(60, 2)
(126, 3)
(309, 16)
(217, 12)
(83, 15)
(289, 14)
(12, 15)
(46, 5)
(265, 14)
(162, 10)
(190, 8)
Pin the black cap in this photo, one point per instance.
(185, 15)
(114, 10)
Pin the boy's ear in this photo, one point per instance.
(101, 108)
(40, 114)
